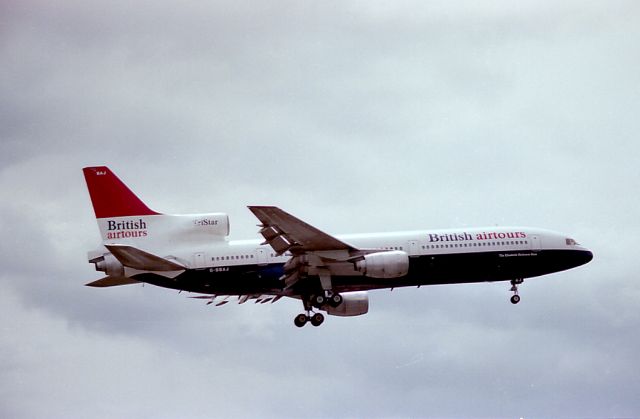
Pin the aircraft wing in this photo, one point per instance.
(284, 232)
(314, 252)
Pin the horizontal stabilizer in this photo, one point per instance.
(139, 259)
(112, 281)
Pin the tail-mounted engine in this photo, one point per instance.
(216, 224)
(392, 264)
(108, 264)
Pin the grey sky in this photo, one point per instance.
(355, 116)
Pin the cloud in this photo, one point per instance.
(355, 116)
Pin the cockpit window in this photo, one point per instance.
(571, 242)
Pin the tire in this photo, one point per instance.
(300, 320)
(515, 299)
(317, 319)
(319, 300)
(335, 300)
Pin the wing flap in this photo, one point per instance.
(259, 298)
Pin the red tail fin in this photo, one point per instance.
(111, 197)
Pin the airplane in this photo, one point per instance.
(326, 273)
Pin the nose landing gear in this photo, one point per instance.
(515, 298)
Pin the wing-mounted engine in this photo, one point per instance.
(353, 304)
(392, 264)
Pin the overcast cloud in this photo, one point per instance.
(356, 116)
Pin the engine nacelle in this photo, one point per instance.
(392, 264)
(353, 304)
(216, 224)
(108, 264)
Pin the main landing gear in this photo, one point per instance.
(316, 301)
(515, 298)
(316, 319)
(334, 300)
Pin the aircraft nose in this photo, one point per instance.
(585, 256)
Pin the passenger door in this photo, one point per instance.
(414, 248)
(535, 243)
(198, 260)
(261, 256)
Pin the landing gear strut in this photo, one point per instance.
(515, 298)
(320, 300)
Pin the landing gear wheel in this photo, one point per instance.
(335, 300)
(515, 299)
(318, 300)
(301, 320)
(317, 319)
